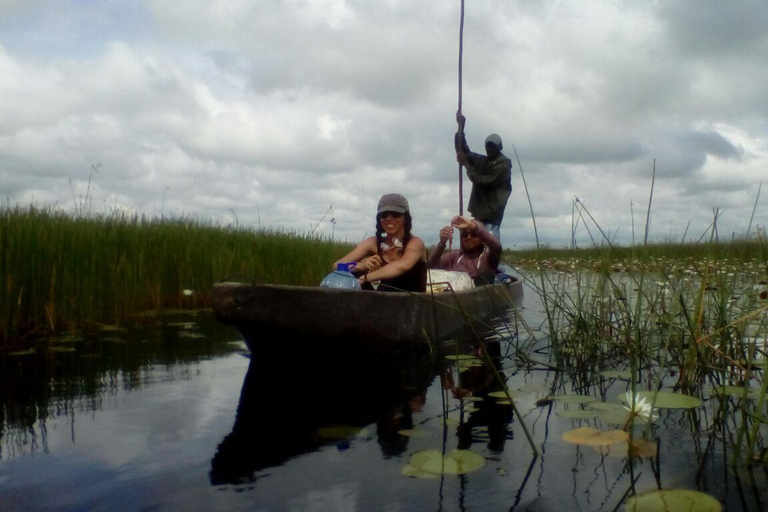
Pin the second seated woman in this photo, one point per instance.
(394, 257)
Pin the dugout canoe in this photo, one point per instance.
(386, 322)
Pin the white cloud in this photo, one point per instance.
(272, 111)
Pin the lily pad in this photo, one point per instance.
(738, 392)
(62, 349)
(414, 432)
(573, 399)
(605, 406)
(667, 399)
(338, 432)
(534, 388)
(458, 462)
(673, 500)
(617, 374)
(461, 357)
(640, 448)
(472, 398)
(27, 352)
(413, 472)
(503, 395)
(588, 436)
(582, 414)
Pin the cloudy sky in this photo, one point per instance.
(287, 114)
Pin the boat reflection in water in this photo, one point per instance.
(293, 406)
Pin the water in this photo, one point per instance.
(177, 417)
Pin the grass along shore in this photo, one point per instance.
(60, 271)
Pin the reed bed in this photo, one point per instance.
(62, 271)
(687, 318)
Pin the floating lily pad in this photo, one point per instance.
(192, 335)
(67, 338)
(472, 398)
(588, 436)
(503, 395)
(644, 448)
(640, 448)
(667, 399)
(338, 432)
(461, 357)
(617, 374)
(111, 328)
(413, 472)
(458, 462)
(573, 399)
(738, 392)
(27, 352)
(605, 406)
(581, 414)
(534, 388)
(673, 500)
(414, 432)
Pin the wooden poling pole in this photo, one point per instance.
(461, 128)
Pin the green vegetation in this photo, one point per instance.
(750, 254)
(685, 318)
(60, 271)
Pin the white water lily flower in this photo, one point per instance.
(638, 406)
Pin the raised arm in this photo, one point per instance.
(477, 229)
(459, 140)
(446, 233)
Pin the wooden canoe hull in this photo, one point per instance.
(382, 321)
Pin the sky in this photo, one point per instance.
(298, 115)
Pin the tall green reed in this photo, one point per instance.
(61, 271)
(685, 316)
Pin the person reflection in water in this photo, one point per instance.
(479, 381)
(397, 418)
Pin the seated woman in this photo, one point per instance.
(394, 256)
(479, 251)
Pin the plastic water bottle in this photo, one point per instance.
(341, 278)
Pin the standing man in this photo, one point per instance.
(491, 178)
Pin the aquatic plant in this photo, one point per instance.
(63, 271)
(638, 407)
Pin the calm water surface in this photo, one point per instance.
(178, 417)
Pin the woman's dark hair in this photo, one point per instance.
(380, 231)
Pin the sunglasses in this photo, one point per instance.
(467, 234)
(394, 215)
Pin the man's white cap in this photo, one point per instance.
(493, 139)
